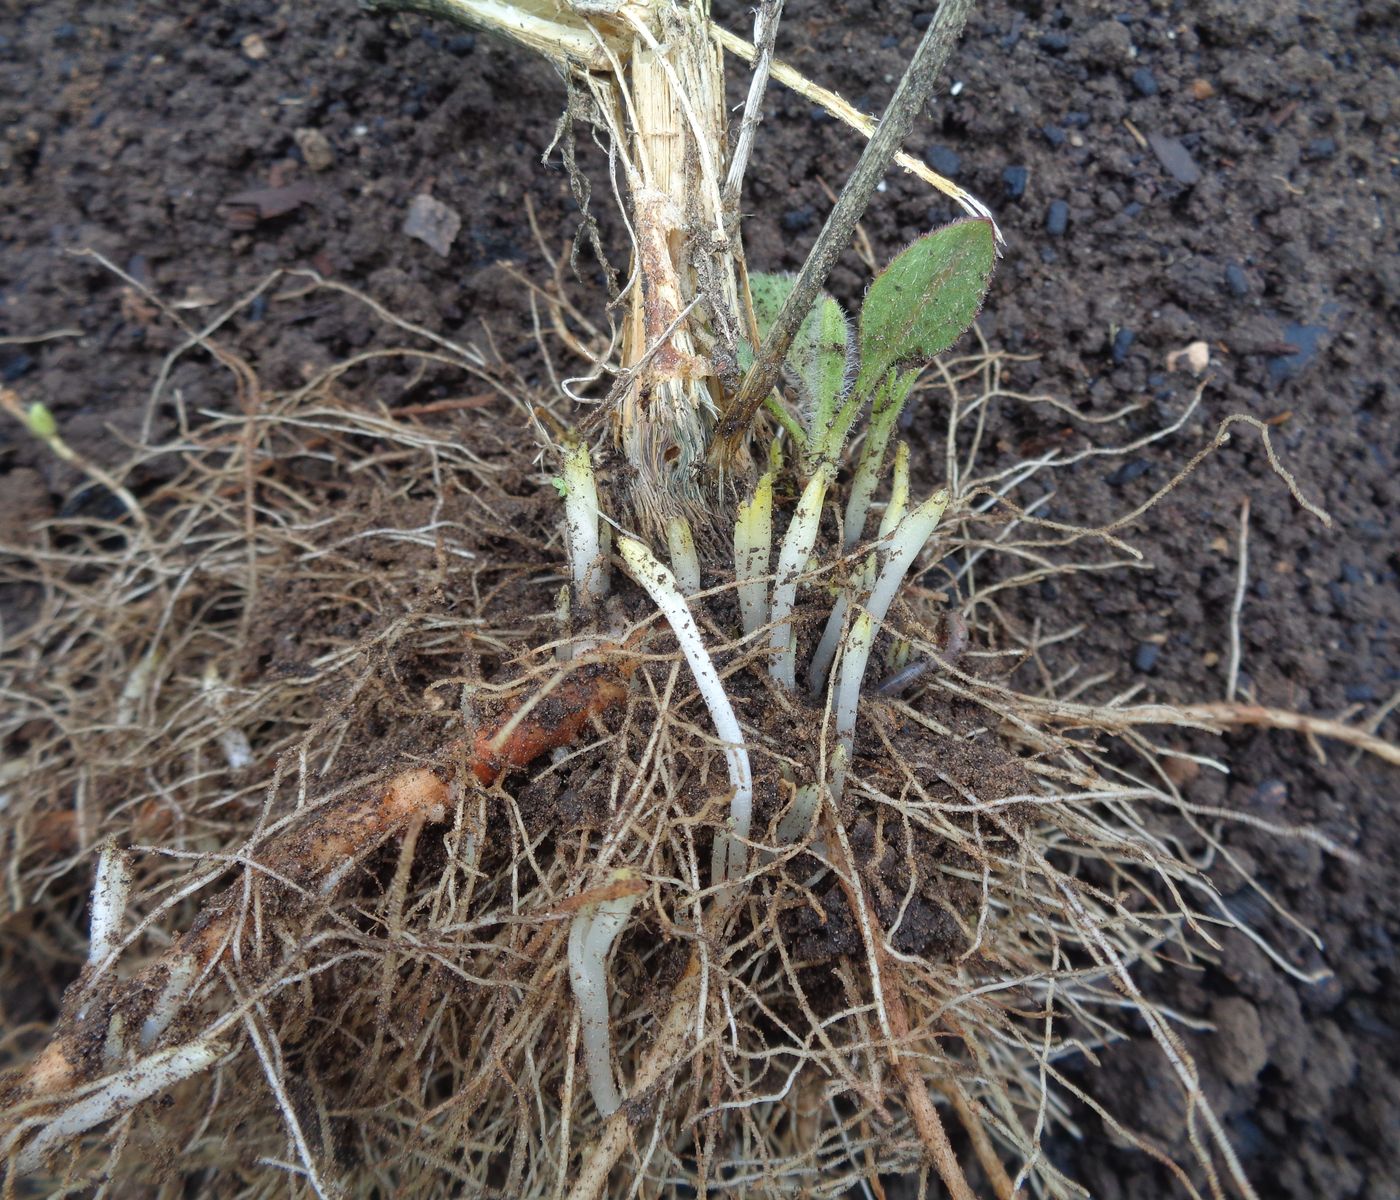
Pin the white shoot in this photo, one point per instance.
(853, 659)
(825, 653)
(684, 561)
(238, 751)
(888, 404)
(798, 819)
(110, 892)
(730, 856)
(591, 938)
(792, 561)
(753, 541)
(905, 542)
(899, 490)
(116, 1094)
(586, 558)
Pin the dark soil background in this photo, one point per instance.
(1259, 217)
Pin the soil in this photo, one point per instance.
(1221, 171)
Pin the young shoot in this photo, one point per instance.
(797, 820)
(792, 561)
(591, 937)
(729, 858)
(684, 561)
(825, 653)
(884, 414)
(587, 559)
(905, 542)
(753, 540)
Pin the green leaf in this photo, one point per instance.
(923, 301)
(821, 355)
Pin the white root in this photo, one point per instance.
(730, 855)
(591, 937)
(110, 892)
(116, 1094)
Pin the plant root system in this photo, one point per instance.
(350, 785)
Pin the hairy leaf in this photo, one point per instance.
(822, 354)
(919, 305)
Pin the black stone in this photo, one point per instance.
(1129, 471)
(1122, 343)
(1145, 656)
(1144, 82)
(1057, 218)
(1236, 282)
(943, 160)
(1013, 182)
(795, 220)
(1054, 135)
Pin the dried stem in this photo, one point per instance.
(908, 100)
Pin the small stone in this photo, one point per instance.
(1053, 134)
(315, 148)
(795, 220)
(1360, 693)
(1054, 43)
(1320, 149)
(1145, 656)
(432, 222)
(923, 20)
(461, 44)
(1057, 218)
(1176, 160)
(1238, 1049)
(1236, 282)
(1202, 89)
(15, 366)
(943, 160)
(1013, 182)
(1129, 471)
(1144, 82)
(1122, 343)
(1195, 358)
(254, 47)
(1105, 44)
(1307, 339)
(1352, 574)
